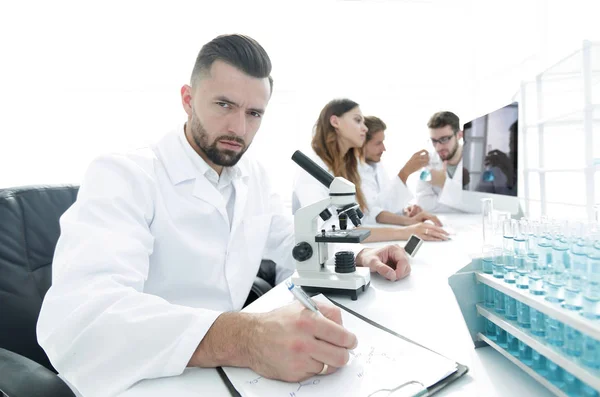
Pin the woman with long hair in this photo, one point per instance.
(338, 138)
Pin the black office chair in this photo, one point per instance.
(29, 230)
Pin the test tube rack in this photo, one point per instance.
(468, 286)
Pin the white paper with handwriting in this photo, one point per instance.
(381, 361)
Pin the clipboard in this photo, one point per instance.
(409, 389)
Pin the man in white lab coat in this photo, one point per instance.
(387, 198)
(159, 251)
(443, 191)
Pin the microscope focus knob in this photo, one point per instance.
(302, 251)
(325, 214)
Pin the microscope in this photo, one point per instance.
(313, 274)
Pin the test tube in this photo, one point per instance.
(487, 210)
(520, 242)
(523, 315)
(524, 353)
(590, 354)
(538, 362)
(510, 308)
(498, 266)
(512, 344)
(490, 329)
(573, 342)
(555, 282)
(538, 322)
(555, 373)
(508, 231)
(572, 384)
(591, 293)
(487, 260)
(498, 302)
(577, 273)
(536, 262)
(555, 332)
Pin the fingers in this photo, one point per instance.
(434, 219)
(334, 334)
(415, 210)
(383, 270)
(329, 354)
(429, 232)
(331, 312)
(398, 260)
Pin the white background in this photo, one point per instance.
(80, 78)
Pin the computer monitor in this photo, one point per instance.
(490, 158)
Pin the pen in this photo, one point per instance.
(301, 296)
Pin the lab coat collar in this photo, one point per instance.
(180, 167)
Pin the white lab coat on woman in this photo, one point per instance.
(148, 259)
(382, 192)
(448, 198)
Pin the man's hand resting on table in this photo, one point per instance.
(390, 261)
(290, 343)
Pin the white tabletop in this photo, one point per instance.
(421, 307)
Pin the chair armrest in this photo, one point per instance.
(22, 377)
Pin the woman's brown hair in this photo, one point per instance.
(326, 146)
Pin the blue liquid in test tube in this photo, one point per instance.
(501, 337)
(555, 283)
(555, 332)
(590, 355)
(523, 315)
(573, 342)
(577, 274)
(498, 302)
(538, 322)
(543, 253)
(538, 362)
(525, 353)
(555, 373)
(490, 329)
(591, 293)
(488, 294)
(508, 247)
(510, 308)
(521, 248)
(572, 384)
(512, 344)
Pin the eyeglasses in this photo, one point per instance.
(442, 140)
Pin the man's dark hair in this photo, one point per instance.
(442, 119)
(237, 50)
(374, 125)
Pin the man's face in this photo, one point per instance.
(375, 147)
(445, 141)
(225, 109)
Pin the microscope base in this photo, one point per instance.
(353, 294)
(327, 281)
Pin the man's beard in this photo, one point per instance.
(450, 154)
(224, 158)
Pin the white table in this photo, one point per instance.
(421, 307)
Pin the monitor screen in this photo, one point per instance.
(490, 152)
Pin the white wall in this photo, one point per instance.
(82, 78)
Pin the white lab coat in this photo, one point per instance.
(448, 198)
(381, 192)
(147, 261)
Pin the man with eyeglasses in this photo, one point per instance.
(442, 193)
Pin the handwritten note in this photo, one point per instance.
(381, 361)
